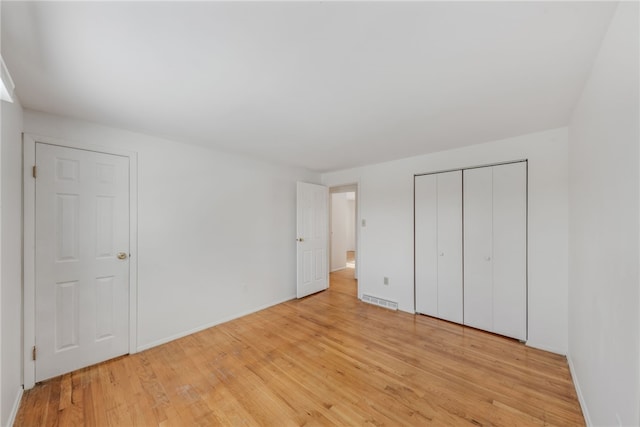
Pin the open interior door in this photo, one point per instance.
(312, 238)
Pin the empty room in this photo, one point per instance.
(259, 213)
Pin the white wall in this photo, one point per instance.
(604, 231)
(11, 261)
(216, 232)
(338, 231)
(386, 242)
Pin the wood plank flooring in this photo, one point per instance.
(328, 359)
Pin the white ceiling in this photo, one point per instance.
(323, 85)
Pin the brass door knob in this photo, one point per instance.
(122, 255)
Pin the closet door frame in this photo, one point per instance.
(524, 160)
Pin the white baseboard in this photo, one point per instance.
(546, 348)
(338, 269)
(16, 406)
(209, 325)
(583, 403)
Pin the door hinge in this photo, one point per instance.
(33, 353)
(35, 171)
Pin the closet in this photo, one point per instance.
(471, 247)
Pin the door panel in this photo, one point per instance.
(81, 288)
(68, 233)
(450, 246)
(66, 315)
(426, 244)
(478, 250)
(510, 250)
(104, 290)
(313, 234)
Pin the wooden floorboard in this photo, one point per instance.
(328, 359)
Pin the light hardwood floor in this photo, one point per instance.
(328, 359)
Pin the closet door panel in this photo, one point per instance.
(478, 231)
(450, 246)
(510, 250)
(426, 244)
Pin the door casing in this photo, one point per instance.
(29, 267)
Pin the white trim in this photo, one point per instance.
(133, 252)
(212, 324)
(338, 269)
(358, 259)
(576, 384)
(14, 409)
(533, 344)
(29, 155)
(29, 239)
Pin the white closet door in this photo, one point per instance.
(450, 246)
(478, 250)
(438, 240)
(426, 244)
(510, 250)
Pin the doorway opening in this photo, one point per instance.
(351, 259)
(343, 235)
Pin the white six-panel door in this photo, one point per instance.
(438, 251)
(312, 238)
(81, 258)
